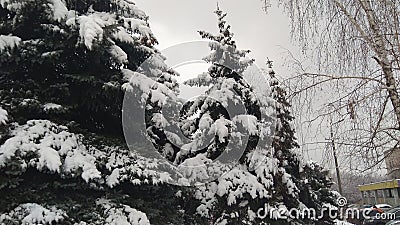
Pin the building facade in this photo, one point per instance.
(392, 159)
(381, 192)
(386, 191)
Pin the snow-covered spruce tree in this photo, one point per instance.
(269, 174)
(64, 68)
(312, 180)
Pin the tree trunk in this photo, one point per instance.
(378, 45)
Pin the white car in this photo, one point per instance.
(384, 206)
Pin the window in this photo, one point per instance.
(389, 193)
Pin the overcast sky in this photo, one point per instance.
(265, 34)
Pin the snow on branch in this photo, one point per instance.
(13, 5)
(55, 149)
(203, 79)
(233, 185)
(46, 146)
(118, 54)
(107, 213)
(8, 41)
(32, 213)
(159, 92)
(3, 116)
(249, 122)
(128, 8)
(59, 10)
(121, 35)
(56, 9)
(91, 27)
(122, 214)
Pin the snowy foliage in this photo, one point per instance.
(249, 122)
(13, 5)
(58, 9)
(108, 214)
(201, 80)
(3, 116)
(128, 8)
(339, 222)
(119, 54)
(54, 148)
(49, 107)
(227, 96)
(122, 30)
(267, 172)
(32, 213)
(234, 185)
(148, 86)
(121, 214)
(92, 28)
(64, 69)
(49, 147)
(64, 124)
(122, 36)
(8, 42)
(130, 26)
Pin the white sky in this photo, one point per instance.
(265, 34)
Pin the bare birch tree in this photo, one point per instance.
(356, 50)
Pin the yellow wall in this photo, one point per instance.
(379, 186)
